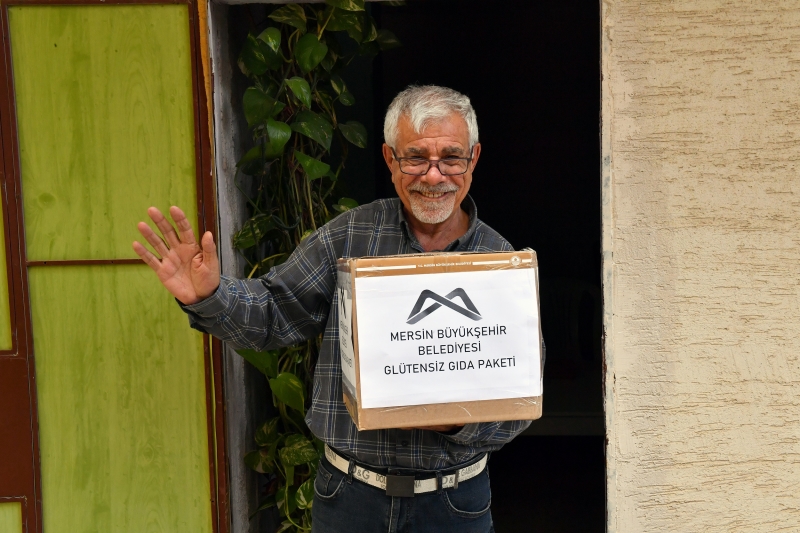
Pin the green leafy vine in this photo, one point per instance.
(295, 67)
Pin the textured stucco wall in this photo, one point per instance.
(701, 142)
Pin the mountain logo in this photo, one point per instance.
(342, 307)
(417, 313)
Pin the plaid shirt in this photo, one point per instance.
(297, 300)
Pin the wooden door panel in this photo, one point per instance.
(11, 517)
(121, 388)
(105, 121)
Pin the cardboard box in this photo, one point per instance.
(446, 338)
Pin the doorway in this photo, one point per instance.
(532, 71)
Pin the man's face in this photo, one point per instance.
(432, 198)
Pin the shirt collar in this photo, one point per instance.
(468, 205)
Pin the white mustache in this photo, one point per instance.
(439, 188)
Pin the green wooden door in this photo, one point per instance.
(11, 517)
(105, 102)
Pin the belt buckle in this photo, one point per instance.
(400, 486)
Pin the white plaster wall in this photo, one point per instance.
(701, 207)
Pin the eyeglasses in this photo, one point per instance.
(447, 166)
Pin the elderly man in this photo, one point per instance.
(431, 149)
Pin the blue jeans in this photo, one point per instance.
(346, 505)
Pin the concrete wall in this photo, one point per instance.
(701, 142)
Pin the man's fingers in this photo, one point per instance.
(164, 226)
(146, 256)
(184, 227)
(154, 240)
(209, 248)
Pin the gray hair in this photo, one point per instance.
(425, 105)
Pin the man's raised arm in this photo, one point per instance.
(286, 306)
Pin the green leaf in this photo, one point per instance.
(269, 502)
(369, 49)
(297, 417)
(284, 500)
(387, 40)
(313, 168)
(370, 32)
(288, 389)
(251, 58)
(279, 134)
(273, 60)
(260, 460)
(272, 38)
(354, 132)
(305, 234)
(265, 362)
(252, 162)
(267, 434)
(257, 57)
(305, 494)
(286, 525)
(298, 450)
(309, 52)
(329, 61)
(314, 127)
(338, 84)
(300, 89)
(356, 32)
(346, 98)
(341, 20)
(345, 204)
(348, 202)
(347, 5)
(290, 14)
(253, 460)
(259, 106)
(253, 231)
(326, 98)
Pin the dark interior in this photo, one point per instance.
(532, 71)
(549, 484)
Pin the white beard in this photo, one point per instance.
(429, 212)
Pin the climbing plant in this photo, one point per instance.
(295, 165)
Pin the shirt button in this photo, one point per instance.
(404, 443)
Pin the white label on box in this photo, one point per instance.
(346, 350)
(441, 338)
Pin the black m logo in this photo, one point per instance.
(342, 308)
(418, 313)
